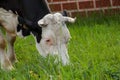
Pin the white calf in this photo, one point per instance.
(55, 36)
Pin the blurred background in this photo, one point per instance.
(85, 7)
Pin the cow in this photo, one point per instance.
(25, 17)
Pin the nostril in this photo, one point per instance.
(48, 40)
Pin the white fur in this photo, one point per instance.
(54, 27)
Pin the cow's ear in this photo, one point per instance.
(42, 23)
(69, 19)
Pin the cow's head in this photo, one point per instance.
(55, 36)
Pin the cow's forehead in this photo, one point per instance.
(53, 17)
(48, 16)
(58, 16)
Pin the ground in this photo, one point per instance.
(94, 52)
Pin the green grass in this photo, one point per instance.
(94, 52)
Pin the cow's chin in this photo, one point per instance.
(59, 50)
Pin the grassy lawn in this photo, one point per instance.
(94, 52)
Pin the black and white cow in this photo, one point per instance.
(27, 17)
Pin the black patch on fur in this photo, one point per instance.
(30, 11)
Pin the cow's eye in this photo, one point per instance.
(43, 25)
